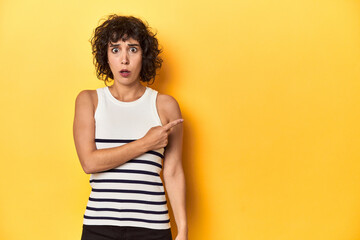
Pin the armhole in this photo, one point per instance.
(156, 113)
(99, 102)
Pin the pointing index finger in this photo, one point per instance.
(173, 123)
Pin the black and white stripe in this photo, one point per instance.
(131, 194)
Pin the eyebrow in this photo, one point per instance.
(130, 44)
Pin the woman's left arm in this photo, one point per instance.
(173, 172)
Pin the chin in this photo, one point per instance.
(126, 81)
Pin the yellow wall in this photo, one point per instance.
(269, 91)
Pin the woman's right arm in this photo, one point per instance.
(92, 159)
(95, 160)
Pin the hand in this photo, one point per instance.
(181, 236)
(157, 137)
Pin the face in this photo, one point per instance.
(125, 60)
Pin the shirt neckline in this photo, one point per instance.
(116, 101)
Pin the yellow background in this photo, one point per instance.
(269, 91)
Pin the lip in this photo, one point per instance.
(124, 69)
(124, 74)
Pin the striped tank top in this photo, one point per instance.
(131, 194)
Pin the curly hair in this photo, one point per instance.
(124, 27)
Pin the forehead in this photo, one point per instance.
(124, 42)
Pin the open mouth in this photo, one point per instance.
(124, 73)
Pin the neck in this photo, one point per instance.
(127, 93)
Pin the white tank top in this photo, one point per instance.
(131, 194)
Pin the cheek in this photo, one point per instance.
(139, 63)
(114, 63)
(110, 59)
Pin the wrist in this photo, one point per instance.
(183, 229)
(143, 145)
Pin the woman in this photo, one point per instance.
(122, 132)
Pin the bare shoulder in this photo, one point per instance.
(87, 98)
(168, 108)
(167, 101)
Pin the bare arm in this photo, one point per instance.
(174, 177)
(95, 160)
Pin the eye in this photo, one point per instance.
(113, 50)
(133, 49)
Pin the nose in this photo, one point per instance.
(124, 58)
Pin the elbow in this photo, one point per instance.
(173, 173)
(87, 170)
(167, 173)
(87, 166)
